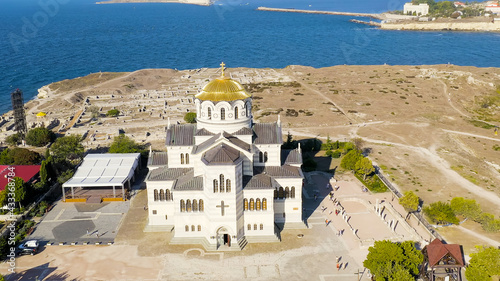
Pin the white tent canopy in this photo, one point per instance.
(105, 170)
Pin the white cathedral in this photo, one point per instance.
(224, 181)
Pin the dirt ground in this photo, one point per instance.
(420, 122)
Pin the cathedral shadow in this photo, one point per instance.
(40, 273)
(316, 191)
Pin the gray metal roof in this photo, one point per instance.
(284, 171)
(158, 159)
(204, 132)
(222, 154)
(243, 131)
(267, 133)
(260, 181)
(291, 156)
(234, 140)
(166, 174)
(188, 182)
(181, 135)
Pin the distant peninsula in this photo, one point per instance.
(195, 2)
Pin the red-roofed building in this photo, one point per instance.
(26, 172)
(441, 260)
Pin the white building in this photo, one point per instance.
(418, 10)
(493, 8)
(224, 181)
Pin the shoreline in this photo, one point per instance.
(369, 15)
(471, 26)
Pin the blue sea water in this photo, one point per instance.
(44, 41)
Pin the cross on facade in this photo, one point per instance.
(222, 68)
(222, 206)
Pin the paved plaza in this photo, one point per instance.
(81, 223)
(303, 254)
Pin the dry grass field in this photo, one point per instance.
(430, 128)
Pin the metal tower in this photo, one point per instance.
(19, 116)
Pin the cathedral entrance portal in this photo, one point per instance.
(223, 238)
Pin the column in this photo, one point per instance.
(114, 192)
(123, 192)
(72, 192)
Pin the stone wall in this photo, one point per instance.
(457, 26)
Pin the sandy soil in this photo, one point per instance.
(417, 121)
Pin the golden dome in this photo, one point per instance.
(223, 89)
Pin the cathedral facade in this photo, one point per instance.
(224, 181)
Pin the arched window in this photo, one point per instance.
(200, 205)
(216, 186)
(166, 217)
(245, 204)
(261, 157)
(292, 192)
(183, 206)
(162, 195)
(264, 204)
(287, 192)
(249, 227)
(222, 114)
(192, 228)
(168, 195)
(156, 194)
(228, 185)
(182, 158)
(265, 156)
(252, 205)
(186, 228)
(275, 194)
(199, 227)
(188, 205)
(195, 205)
(235, 112)
(255, 227)
(257, 204)
(209, 113)
(187, 158)
(280, 193)
(221, 177)
(261, 226)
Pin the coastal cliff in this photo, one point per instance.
(455, 26)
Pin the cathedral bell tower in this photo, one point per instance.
(223, 105)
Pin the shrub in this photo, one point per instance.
(467, 208)
(333, 154)
(113, 113)
(441, 213)
(19, 156)
(13, 139)
(124, 144)
(40, 136)
(190, 117)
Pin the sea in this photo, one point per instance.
(43, 41)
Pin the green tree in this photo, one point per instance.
(190, 117)
(123, 144)
(489, 223)
(65, 176)
(13, 139)
(350, 159)
(3, 196)
(113, 113)
(289, 143)
(466, 207)
(19, 156)
(364, 166)
(484, 264)
(19, 190)
(390, 261)
(409, 201)
(43, 172)
(440, 213)
(67, 149)
(40, 136)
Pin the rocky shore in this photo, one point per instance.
(453, 26)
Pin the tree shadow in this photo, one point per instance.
(40, 273)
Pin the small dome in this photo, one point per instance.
(223, 89)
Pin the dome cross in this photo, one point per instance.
(222, 68)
